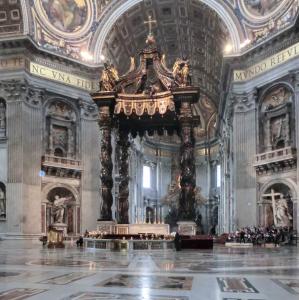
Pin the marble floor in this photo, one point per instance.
(29, 271)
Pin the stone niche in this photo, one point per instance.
(61, 207)
(276, 120)
(277, 206)
(61, 129)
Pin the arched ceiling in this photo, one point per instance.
(85, 30)
(184, 29)
(68, 27)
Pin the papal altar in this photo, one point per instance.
(142, 228)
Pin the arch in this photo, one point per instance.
(66, 101)
(273, 86)
(286, 181)
(112, 18)
(47, 189)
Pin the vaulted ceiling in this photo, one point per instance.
(67, 27)
(183, 29)
(92, 31)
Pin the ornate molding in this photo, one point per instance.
(245, 102)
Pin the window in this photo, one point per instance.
(146, 177)
(218, 174)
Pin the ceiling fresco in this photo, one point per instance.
(73, 27)
(65, 16)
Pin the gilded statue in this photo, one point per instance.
(109, 78)
(181, 72)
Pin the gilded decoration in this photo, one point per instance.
(70, 26)
(146, 106)
(146, 89)
(64, 26)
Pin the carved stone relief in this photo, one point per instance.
(276, 119)
(61, 129)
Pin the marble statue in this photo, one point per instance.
(2, 116)
(281, 213)
(59, 205)
(276, 130)
(2, 203)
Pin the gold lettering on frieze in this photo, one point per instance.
(63, 77)
(267, 64)
(12, 63)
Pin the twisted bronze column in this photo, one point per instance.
(187, 210)
(123, 201)
(105, 124)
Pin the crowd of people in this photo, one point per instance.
(261, 235)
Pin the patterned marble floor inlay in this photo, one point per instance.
(235, 285)
(66, 278)
(106, 296)
(56, 263)
(291, 285)
(30, 271)
(19, 294)
(151, 282)
(8, 274)
(240, 299)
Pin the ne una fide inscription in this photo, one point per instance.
(267, 64)
(63, 77)
(12, 63)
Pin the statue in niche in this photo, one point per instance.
(269, 218)
(277, 131)
(109, 78)
(59, 206)
(181, 72)
(2, 203)
(281, 213)
(2, 116)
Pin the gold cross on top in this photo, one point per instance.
(150, 22)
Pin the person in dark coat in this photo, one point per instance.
(177, 242)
